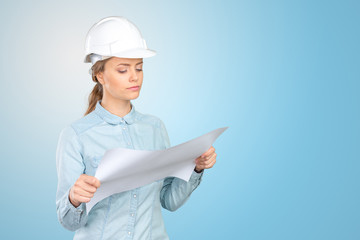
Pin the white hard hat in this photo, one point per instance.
(115, 37)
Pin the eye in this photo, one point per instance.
(139, 70)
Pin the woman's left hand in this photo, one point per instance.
(206, 160)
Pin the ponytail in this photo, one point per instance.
(94, 97)
(97, 92)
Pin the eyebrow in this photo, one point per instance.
(126, 64)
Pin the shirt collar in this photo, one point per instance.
(112, 118)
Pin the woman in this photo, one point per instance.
(116, 49)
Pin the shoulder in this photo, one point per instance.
(85, 123)
(149, 119)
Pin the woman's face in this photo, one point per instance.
(122, 78)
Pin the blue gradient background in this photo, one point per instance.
(283, 75)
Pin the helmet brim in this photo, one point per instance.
(131, 53)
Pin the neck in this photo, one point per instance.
(115, 106)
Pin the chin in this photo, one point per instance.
(134, 97)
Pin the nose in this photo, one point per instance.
(133, 76)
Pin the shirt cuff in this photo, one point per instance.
(76, 210)
(196, 177)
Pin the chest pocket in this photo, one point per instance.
(92, 164)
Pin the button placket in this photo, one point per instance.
(133, 208)
(134, 193)
(126, 133)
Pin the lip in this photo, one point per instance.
(134, 88)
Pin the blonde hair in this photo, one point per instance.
(97, 92)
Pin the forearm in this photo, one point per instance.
(176, 191)
(70, 217)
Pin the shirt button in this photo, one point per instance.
(134, 195)
(129, 233)
(124, 128)
(132, 214)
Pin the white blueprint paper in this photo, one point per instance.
(122, 169)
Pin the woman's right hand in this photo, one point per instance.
(83, 189)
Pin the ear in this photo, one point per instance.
(100, 77)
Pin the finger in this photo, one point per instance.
(207, 164)
(79, 192)
(200, 159)
(208, 152)
(211, 164)
(211, 156)
(86, 187)
(206, 160)
(91, 180)
(83, 199)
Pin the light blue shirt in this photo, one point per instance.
(134, 214)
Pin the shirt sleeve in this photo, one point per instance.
(175, 191)
(69, 165)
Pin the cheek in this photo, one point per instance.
(115, 83)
